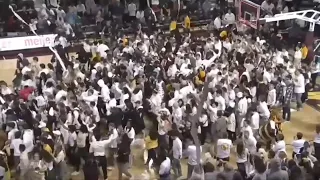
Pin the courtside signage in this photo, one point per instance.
(27, 42)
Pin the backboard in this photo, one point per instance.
(249, 13)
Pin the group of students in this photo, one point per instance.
(224, 88)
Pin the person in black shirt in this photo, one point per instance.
(123, 156)
(91, 169)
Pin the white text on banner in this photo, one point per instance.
(27, 42)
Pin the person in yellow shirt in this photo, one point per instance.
(223, 34)
(173, 25)
(151, 142)
(187, 23)
(125, 41)
(304, 51)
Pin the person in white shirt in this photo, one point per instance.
(229, 18)
(95, 112)
(24, 161)
(5, 90)
(267, 6)
(271, 99)
(112, 103)
(315, 70)
(15, 144)
(68, 29)
(204, 124)
(242, 158)
(140, 16)
(98, 148)
(217, 23)
(177, 114)
(299, 88)
(263, 110)
(129, 130)
(177, 154)
(224, 146)
(297, 144)
(165, 167)
(249, 142)
(59, 159)
(12, 129)
(89, 96)
(255, 121)
(132, 9)
(192, 158)
(60, 93)
(113, 146)
(242, 106)
(280, 145)
(28, 138)
(220, 100)
(81, 9)
(267, 75)
(297, 57)
(231, 124)
(72, 146)
(82, 145)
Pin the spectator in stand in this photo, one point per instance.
(60, 15)
(267, 6)
(81, 9)
(53, 3)
(140, 16)
(91, 7)
(132, 9)
(229, 18)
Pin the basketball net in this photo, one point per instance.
(242, 25)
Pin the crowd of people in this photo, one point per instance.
(72, 17)
(227, 85)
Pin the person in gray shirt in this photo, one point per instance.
(275, 173)
(209, 171)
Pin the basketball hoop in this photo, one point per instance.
(248, 13)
